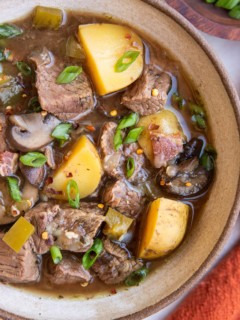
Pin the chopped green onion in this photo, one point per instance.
(133, 135)
(208, 158)
(61, 132)
(176, 98)
(235, 12)
(24, 68)
(196, 110)
(227, 4)
(9, 31)
(130, 167)
(56, 254)
(34, 104)
(73, 194)
(126, 60)
(117, 139)
(33, 159)
(14, 188)
(92, 254)
(4, 54)
(128, 121)
(69, 74)
(200, 121)
(136, 277)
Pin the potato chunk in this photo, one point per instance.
(168, 125)
(164, 228)
(83, 166)
(104, 44)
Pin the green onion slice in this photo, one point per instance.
(235, 12)
(92, 254)
(24, 68)
(176, 98)
(133, 135)
(33, 159)
(128, 121)
(9, 31)
(56, 254)
(117, 139)
(227, 4)
(14, 188)
(34, 104)
(73, 194)
(130, 167)
(208, 158)
(136, 277)
(126, 60)
(69, 74)
(200, 121)
(4, 54)
(196, 110)
(61, 132)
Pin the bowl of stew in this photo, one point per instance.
(119, 158)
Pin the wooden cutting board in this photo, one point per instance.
(208, 18)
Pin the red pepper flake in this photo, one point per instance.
(113, 291)
(90, 128)
(153, 126)
(128, 36)
(69, 175)
(49, 181)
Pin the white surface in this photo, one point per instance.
(229, 53)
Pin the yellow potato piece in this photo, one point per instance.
(164, 228)
(83, 165)
(104, 44)
(168, 124)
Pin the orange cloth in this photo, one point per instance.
(217, 297)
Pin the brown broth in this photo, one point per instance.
(33, 39)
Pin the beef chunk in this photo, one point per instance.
(112, 159)
(70, 229)
(3, 126)
(65, 101)
(114, 162)
(139, 96)
(114, 264)
(35, 176)
(124, 198)
(69, 270)
(165, 147)
(8, 163)
(19, 267)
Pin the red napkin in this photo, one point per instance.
(217, 297)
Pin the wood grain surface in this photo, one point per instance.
(208, 18)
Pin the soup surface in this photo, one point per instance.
(105, 154)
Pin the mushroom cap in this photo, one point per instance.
(31, 131)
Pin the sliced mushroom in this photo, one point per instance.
(185, 179)
(31, 131)
(35, 176)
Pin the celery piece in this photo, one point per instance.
(116, 224)
(49, 18)
(18, 234)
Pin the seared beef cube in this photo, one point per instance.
(65, 101)
(19, 267)
(68, 228)
(3, 125)
(141, 98)
(114, 162)
(8, 163)
(165, 147)
(123, 197)
(114, 264)
(68, 271)
(35, 176)
(112, 159)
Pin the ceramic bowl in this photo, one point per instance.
(181, 270)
